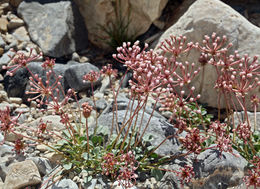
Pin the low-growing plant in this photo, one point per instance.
(121, 152)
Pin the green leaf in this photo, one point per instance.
(85, 156)
(97, 139)
(157, 174)
(97, 150)
(154, 155)
(67, 166)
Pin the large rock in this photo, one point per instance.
(7, 157)
(215, 170)
(142, 14)
(53, 123)
(203, 18)
(65, 184)
(6, 58)
(74, 76)
(212, 170)
(56, 26)
(22, 174)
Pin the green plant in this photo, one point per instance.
(117, 30)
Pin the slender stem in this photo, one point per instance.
(254, 118)
(130, 123)
(87, 135)
(121, 130)
(94, 101)
(147, 124)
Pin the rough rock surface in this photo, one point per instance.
(56, 26)
(142, 14)
(218, 170)
(212, 170)
(53, 122)
(218, 17)
(22, 174)
(74, 76)
(65, 184)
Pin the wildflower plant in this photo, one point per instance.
(123, 152)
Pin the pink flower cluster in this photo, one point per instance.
(186, 174)
(121, 167)
(253, 177)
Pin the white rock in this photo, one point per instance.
(22, 174)
(75, 56)
(15, 23)
(3, 96)
(53, 122)
(21, 34)
(16, 100)
(41, 148)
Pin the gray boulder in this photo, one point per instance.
(56, 26)
(22, 174)
(212, 170)
(2, 42)
(65, 184)
(6, 58)
(43, 165)
(216, 170)
(74, 76)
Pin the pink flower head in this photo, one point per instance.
(86, 109)
(186, 174)
(6, 121)
(48, 63)
(128, 164)
(109, 165)
(45, 90)
(20, 60)
(92, 76)
(193, 141)
(244, 132)
(253, 176)
(224, 143)
(18, 146)
(107, 70)
(176, 45)
(214, 45)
